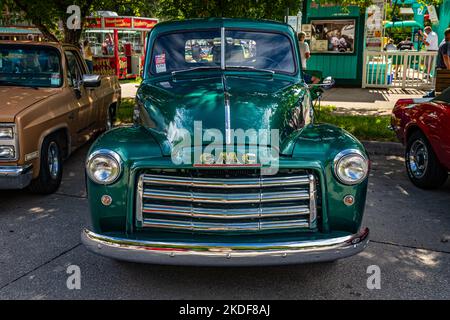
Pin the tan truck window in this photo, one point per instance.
(73, 68)
(29, 66)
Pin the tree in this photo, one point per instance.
(256, 9)
(363, 4)
(50, 16)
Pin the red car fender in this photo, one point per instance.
(432, 118)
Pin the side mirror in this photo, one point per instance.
(91, 80)
(326, 84)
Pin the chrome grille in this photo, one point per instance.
(226, 200)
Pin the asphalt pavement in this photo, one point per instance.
(410, 243)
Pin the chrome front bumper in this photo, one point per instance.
(225, 254)
(15, 177)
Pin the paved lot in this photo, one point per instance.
(39, 239)
(367, 101)
(129, 90)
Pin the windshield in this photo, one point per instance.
(29, 66)
(243, 49)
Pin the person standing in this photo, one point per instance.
(390, 46)
(406, 44)
(430, 39)
(88, 56)
(443, 58)
(431, 42)
(305, 53)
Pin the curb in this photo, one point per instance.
(384, 148)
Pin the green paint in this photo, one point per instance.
(444, 19)
(346, 69)
(256, 101)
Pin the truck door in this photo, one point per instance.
(84, 99)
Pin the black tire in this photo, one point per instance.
(51, 169)
(422, 165)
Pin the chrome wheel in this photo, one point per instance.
(418, 159)
(53, 160)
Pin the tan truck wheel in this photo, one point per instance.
(50, 173)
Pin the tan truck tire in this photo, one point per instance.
(51, 168)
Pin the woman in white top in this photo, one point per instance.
(305, 53)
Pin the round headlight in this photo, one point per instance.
(104, 166)
(351, 167)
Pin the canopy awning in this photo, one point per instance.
(15, 30)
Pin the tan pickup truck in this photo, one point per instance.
(49, 106)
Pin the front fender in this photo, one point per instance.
(322, 143)
(132, 144)
(432, 120)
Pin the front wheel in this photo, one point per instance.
(422, 165)
(50, 173)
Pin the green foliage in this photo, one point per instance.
(362, 127)
(430, 2)
(362, 4)
(136, 81)
(257, 9)
(125, 111)
(48, 15)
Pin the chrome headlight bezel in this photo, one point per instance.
(12, 150)
(4, 130)
(108, 156)
(347, 155)
(9, 140)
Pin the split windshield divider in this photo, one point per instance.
(222, 48)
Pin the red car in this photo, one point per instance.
(423, 126)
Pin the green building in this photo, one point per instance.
(444, 18)
(338, 41)
(337, 37)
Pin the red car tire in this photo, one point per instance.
(422, 165)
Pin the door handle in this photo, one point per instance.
(71, 116)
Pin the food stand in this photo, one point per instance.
(118, 44)
(335, 35)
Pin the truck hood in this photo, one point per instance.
(14, 100)
(220, 102)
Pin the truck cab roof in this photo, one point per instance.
(223, 22)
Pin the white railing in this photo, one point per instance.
(399, 69)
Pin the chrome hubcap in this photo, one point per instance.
(418, 159)
(53, 159)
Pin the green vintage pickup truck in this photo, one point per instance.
(224, 164)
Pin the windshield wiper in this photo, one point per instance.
(271, 72)
(174, 73)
